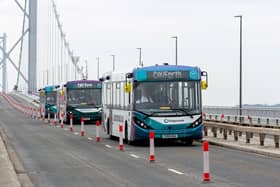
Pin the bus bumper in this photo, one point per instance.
(189, 133)
(89, 118)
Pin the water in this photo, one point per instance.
(260, 112)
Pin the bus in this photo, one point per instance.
(163, 98)
(48, 99)
(82, 98)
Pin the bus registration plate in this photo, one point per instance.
(166, 136)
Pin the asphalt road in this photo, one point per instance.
(55, 157)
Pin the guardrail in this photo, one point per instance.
(270, 112)
(237, 130)
(243, 120)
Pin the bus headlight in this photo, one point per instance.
(140, 123)
(197, 122)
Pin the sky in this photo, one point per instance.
(208, 37)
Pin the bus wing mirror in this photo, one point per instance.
(127, 87)
(204, 83)
(61, 92)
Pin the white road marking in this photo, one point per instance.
(175, 171)
(108, 146)
(76, 133)
(66, 129)
(89, 138)
(134, 156)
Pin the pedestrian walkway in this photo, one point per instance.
(254, 146)
(8, 177)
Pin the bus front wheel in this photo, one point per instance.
(67, 119)
(129, 142)
(188, 142)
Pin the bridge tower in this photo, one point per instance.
(4, 65)
(32, 47)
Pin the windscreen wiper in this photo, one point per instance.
(186, 112)
(180, 109)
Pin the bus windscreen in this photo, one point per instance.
(51, 98)
(180, 97)
(91, 97)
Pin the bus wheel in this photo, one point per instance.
(67, 119)
(126, 135)
(108, 127)
(188, 142)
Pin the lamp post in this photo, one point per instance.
(140, 57)
(176, 47)
(113, 62)
(240, 66)
(86, 77)
(97, 67)
(47, 76)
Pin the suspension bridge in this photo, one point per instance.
(38, 150)
(49, 58)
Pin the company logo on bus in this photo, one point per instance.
(173, 120)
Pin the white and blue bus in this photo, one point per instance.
(82, 98)
(48, 100)
(162, 98)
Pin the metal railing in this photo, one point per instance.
(244, 120)
(269, 112)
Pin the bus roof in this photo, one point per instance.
(83, 81)
(84, 84)
(50, 88)
(167, 73)
(165, 68)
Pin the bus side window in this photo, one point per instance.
(118, 95)
(108, 94)
(114, 94)
(122, 104)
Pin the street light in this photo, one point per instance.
(86, 77)
(113, 62)
(176, 47)
(97, 67)
(240, 66)
(140, 57)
